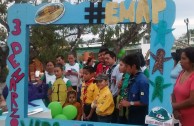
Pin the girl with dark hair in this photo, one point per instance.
(183, 93)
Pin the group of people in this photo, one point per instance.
(109, 91)
(115, 92)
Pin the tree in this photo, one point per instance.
(120, 35)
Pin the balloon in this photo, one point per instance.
(61, 116)
(122, 51)
(70, 112)
(55, 108)
(119, 55)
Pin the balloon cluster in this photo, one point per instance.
(121, 53)
(69, 112)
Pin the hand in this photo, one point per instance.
(94, 104)
(84, 116)
(120, 106)
(88, 117)
(125, 103)
(177, 114)
(120, 84)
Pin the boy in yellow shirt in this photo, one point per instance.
(89, 92)
(103, 103)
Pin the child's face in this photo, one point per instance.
(58, 72)
(122, 67)
(87, 75)
(71, 59)
(101, 84)
(72, 98)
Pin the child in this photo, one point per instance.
(72, 70)
(103, 103)
(138, 91)
(59, 87)
(89, 91)
(123, 93)
(71, 100)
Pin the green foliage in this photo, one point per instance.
(46, 42)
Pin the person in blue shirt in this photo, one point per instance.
(138, 91)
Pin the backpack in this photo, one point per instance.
(59, 91)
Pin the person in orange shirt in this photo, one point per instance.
(71, 100)
(89, 91)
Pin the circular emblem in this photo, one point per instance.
(49, 13)
(160, 114)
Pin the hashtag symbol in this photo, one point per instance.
(95, 13)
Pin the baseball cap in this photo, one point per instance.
(101, 77)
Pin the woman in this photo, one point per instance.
(49, 76)
(183, 93)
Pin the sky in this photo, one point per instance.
(184, 9)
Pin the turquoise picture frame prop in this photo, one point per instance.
(22, 16)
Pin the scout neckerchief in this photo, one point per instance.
(85, 89)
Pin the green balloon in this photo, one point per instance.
(61, 116)
(70, 112)
(122, 51)
(119, 55)
(56, 108)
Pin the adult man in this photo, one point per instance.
(101, 66)
(60, 60)
(114, 77)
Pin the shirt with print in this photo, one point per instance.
(89, 91)
(124, 88)
(73, 78)
(101, 69)
(114, 76)
(49, 78)
(104, 102)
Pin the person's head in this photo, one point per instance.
(60, 60)
(101, 54)
(58, 70)
(71, 58)
(88, 73)
(101, 81)
(122, 66)
(110, 58)
(142, 59)
(132, 62)
(71, 96)
(90, 61)
(187, 58)
(50, 66)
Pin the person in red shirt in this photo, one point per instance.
(101, 67)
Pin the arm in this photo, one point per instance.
(106, 104)
(125, 103)
(79, 111)
(186, 103)
(90, 114)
